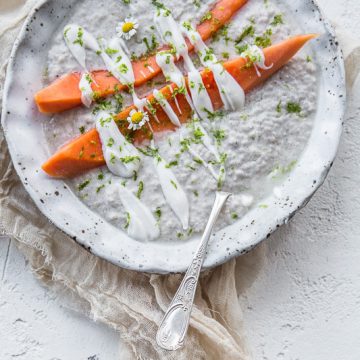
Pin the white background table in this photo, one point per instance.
(304, 304)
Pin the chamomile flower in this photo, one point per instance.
(127, 28)
(137, 119)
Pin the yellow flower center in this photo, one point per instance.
(137, 117)
(128, 26)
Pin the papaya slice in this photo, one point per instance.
(85, 152)
(64, 93)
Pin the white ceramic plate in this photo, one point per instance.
(22, 124)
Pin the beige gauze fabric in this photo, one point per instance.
(132, 303)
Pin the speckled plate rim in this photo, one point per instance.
(23, 130)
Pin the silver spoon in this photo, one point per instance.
(174, 326)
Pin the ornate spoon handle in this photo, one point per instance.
(173, 328)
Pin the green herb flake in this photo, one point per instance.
(134, 57)
(128, 219)
(187, 25)
(222, 32)
(99, 188)
(119, 102)
(84, 184)
(264, 40)
(151, 45)
(293, 108)
(105, 121)
(220, 182)
(185, 144)
(149, 151)
(110, 142)
(198, 134)
(213, 115)
(209, 54)
(248, 31)
(201, 88)
(207, 16)
(283, 170)
(66, 32)
(112, 158)
(278, 20)
(158, 213)
(129, 159)
(88, 78)
(82, 129)
(81, 153)
(234, 216)
(110, 51)
(241, 48)
(278, 107)
(171, 164)
(123, 68)
(173, 183)
(79, 39)
(219, 135)
(140, 189)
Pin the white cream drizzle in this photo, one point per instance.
(175, 99)
(173, 192)
(142, 224)
(171, 34)
(75, 43)
(166, 107)
(122, 158)
(118, 62)
(231, 93)
(208, 142)
(87, 93)
(200, 100)
(172, 73)
(256, 54)
(200, 97)
(75, 39)
(208, 166)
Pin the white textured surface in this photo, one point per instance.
(304, 304)
(34, 325)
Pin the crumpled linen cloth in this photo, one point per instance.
(131, 303)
